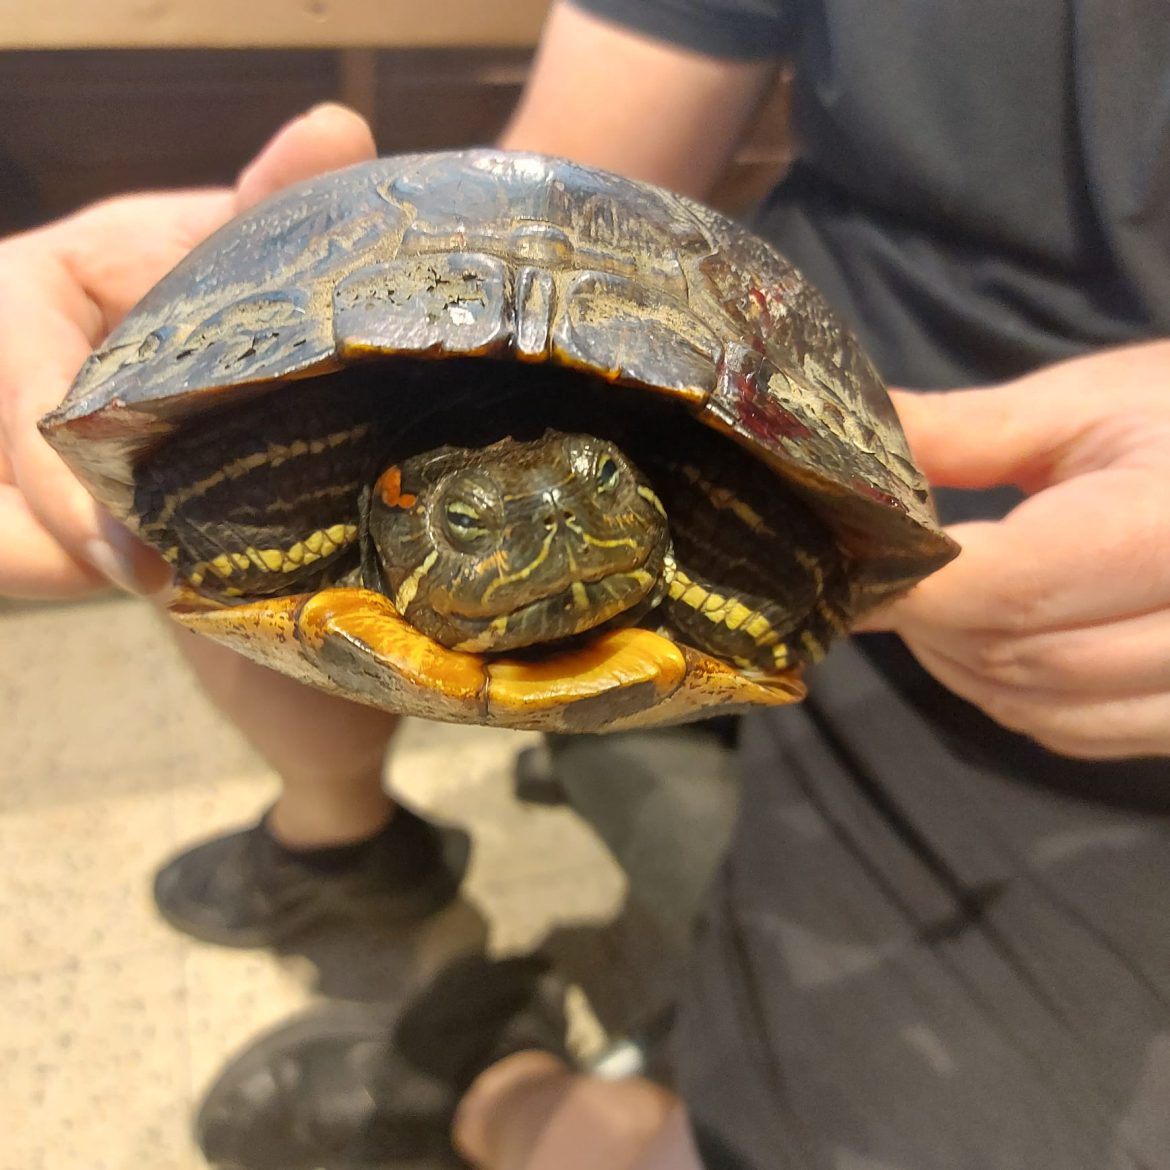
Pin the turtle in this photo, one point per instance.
(496, 437)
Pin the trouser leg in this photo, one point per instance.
(915, 959)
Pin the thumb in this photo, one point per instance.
(326, 138)
(985, 437)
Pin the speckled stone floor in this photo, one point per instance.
(111, 1024)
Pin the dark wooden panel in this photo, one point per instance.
(90, 124)
(78, 126)
(440, 99)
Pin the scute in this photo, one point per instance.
(438, 303)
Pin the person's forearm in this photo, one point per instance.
(612, 98)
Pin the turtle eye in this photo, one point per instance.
(607, 474)
(463, 521)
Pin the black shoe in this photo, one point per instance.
(535, 779)
(341, 1088)
(246, 890)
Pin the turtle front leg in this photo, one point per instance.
(755, 633)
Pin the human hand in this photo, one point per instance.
(530, 1112)
(1055, 621)
(62, 289)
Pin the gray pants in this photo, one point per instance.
(930, 946)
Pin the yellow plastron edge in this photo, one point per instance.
(354, 643)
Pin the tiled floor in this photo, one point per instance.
(111, 1024)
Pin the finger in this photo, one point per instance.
(32, 562)
(46, 331)
(60, 289)
(1113, 659)
(980, 438)
(74, 280)
(63, 288)
(1118, 727)
(327, 137)
(1024, 432)
(114, 252)
(41, 346)
(1104, 540)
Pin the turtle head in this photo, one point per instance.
(518, 543)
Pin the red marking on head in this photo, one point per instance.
(389, 488)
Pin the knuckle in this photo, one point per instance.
(1053, 662)
(1021, 607)
(1067, 663)
(998, 660)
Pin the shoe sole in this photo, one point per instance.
(347, 1021)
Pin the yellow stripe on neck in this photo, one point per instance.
(315, 547)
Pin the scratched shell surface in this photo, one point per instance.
(483, 252)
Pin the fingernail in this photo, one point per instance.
(124, 560)
(324, 110)
(111, 564)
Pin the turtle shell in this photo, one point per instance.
(524, 258)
